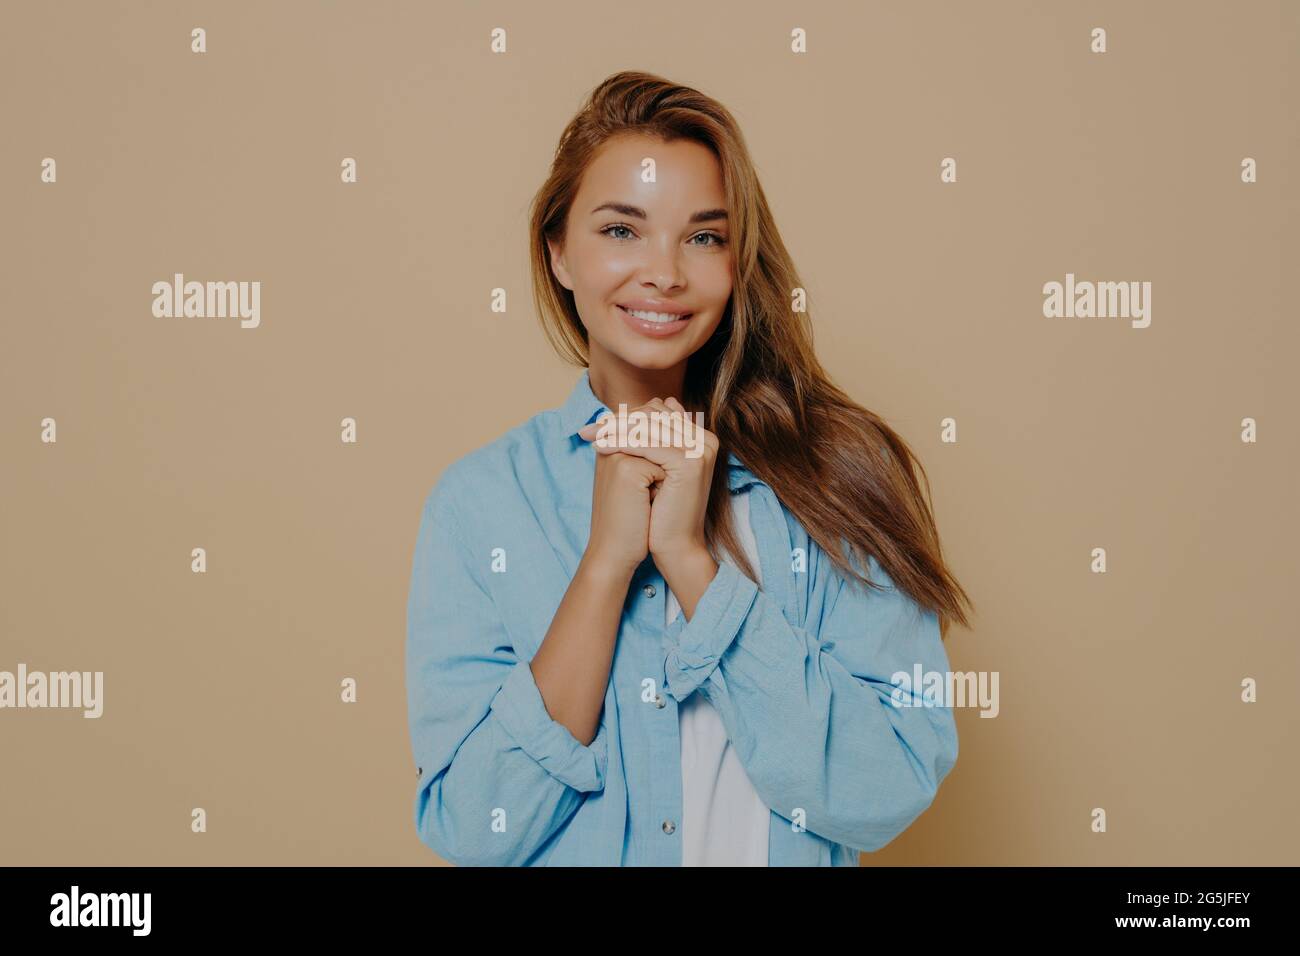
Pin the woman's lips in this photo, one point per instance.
(654, 330)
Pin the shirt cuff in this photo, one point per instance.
(694, 648)
(522, 714)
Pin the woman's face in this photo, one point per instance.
(660, 247)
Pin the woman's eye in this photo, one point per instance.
(711, 235)
(611, 232)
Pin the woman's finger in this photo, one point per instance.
(681, 432)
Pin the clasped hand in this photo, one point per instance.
(680, 500)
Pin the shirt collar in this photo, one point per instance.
(582, 407)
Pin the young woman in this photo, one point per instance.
(682, 653)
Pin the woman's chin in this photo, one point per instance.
(654, 358)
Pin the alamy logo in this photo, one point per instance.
(57, 689)
(1103, 300)
(652, 429)
(102, 909)
(946, 689)
(212, 300)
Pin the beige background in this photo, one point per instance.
(222, 690)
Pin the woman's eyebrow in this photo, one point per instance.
(636, 212)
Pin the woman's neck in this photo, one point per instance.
(615, 382)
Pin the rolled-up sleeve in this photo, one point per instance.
(808, 704)
(694, 649)
(523, 716)
(498, 777)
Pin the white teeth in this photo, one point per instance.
(652, 316)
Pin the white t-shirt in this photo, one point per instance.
(724, 823)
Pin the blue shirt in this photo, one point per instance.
(800, 673)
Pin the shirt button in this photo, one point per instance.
(419, 771)
(648, 590)
(669, 826)
(659, 701)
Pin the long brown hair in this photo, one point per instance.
(838, 468)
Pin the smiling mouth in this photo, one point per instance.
(659, 318)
